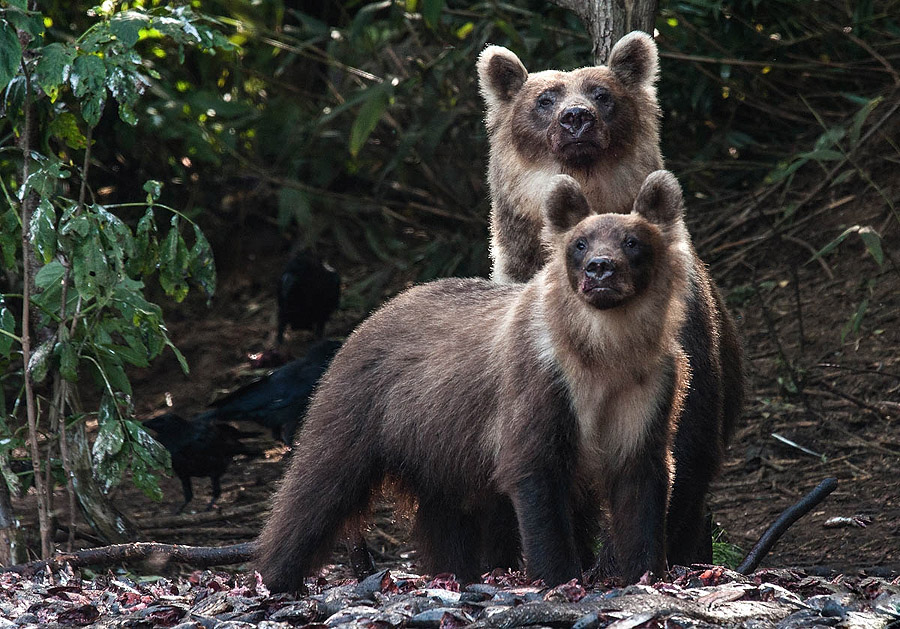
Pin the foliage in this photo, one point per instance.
(89, 288)
(779, 103)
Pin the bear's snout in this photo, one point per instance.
(577, 121)
(600, 268)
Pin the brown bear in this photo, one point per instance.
(601, 126)
(487, 402)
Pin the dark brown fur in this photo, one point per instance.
(494, 405)
(528, 146)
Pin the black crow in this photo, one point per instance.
(200, 447)
(308, 292)
(278, 401)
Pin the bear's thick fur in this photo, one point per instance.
(525, 405)
(601, 126)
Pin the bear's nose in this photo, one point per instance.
(576, 120)
(600, 268)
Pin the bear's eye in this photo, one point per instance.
(581, 244)
(545, 100)
(630, 242)
(602, 96)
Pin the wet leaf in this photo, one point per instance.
(88, 76)
(153, 189)
(90, 268)
(39, 364)
(110, 436)
(54, 67)
(202, 266)
(43, 230)
(126, 26)
(173, 263)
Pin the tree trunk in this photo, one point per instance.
(104, 518)
(606, 22)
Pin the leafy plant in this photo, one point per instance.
(83, 268)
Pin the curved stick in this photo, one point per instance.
(788, 517)
(200, 556)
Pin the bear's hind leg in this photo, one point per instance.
(448, 539)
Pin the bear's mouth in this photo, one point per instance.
(593, 286)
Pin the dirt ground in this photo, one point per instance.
(846, 417)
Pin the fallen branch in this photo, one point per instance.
(199, 556)
(784, 521)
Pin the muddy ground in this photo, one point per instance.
(839, 401)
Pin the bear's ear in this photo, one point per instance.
(564, 204)
(500, 74)
(659, 200)
(634, 59)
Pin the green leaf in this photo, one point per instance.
(831, 246)
(829, 138)
(10, 54)
(68, 360)
(10, 239)
(65, 127)
(146, 246)
(8, 336)
(43, 230)
(92, 108)
(145, 480)
(39, 364)
(54, 67)
(202, 266)
(431, 11)
(855, 321)
(146, 447)
(153, 189)
(44, 179)
(130, 355)
(173, 263)
(368, 117)
(293, 204)
(88, 76)
(109, 471)
(860, 118)
(872, 241)
(823, 155)
(90, 268)
(112, 369)
(784, 170)
(126, 27)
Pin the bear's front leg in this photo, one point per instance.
(544, 514)
(638, 500)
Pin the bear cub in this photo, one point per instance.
(525, 404)
(601, 126)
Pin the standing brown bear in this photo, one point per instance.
(539, 400)
(600, 125)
